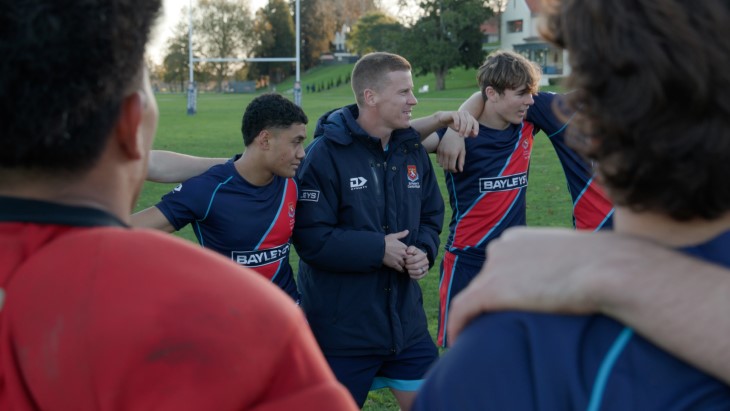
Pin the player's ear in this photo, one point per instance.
(126, 129)
(263, 139)
(370, 96)
(490, 92)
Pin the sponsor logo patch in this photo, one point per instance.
(358, 183)
(309, 195)
(503, 183)
(260, 257)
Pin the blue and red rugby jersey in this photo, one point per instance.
(251, 225)
(592, 210)
(530, 361)
(488, 197)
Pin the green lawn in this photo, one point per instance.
(215, 131)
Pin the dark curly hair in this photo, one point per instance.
(652, 87)
(67, 65)
(269, 110)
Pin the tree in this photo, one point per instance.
(224, 29)
(350, 11)
(376, 32)
(446, 36)
(176, 62)
(318, 23)
(497, 6)
(275, 37)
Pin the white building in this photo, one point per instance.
(519, 33)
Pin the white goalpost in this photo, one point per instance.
(192, 90)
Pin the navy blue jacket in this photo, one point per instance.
(351, 194)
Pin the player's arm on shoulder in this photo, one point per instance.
(431, 142)
(451, 152)
(463, 122)
(152, 217)
(658, 291)
(172, 167)
(652, 289)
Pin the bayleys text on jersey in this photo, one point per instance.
(258, 258)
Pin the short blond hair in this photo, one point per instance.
(370, 71)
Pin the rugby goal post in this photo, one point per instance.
(192, 89)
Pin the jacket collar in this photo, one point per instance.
(340, 125)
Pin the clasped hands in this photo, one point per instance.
(405, 258)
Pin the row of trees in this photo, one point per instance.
(445, 35)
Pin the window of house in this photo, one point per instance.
(514, 26)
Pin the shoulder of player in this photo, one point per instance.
(324, 154)
(173, 267)
(219, 173)
(190, 305)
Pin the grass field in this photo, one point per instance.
(215, 131)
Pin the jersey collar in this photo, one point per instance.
(13, 209)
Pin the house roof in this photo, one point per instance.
(490, 26)
(533, 5)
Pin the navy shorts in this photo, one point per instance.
(403, 371)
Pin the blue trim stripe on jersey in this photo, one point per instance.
(210, 204)
(600, 226)
(400, 385)
(577, 199)
(585, 188)
(565, 125)
(276, 274)
(560, 130)
(606, 367)
(276, 217)
(517, 145)
(212, 197)
(454, 196)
